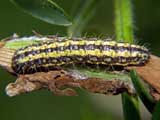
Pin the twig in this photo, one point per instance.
(62, 83)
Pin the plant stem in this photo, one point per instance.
(156, 115)
(124, 22)
(130, 107)
(124, 33)
(82, 18)
(142, 92)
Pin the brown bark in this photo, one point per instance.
(62, 83)
(151, 74)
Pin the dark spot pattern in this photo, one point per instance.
(54, 63)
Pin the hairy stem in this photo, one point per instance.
(124, 33)
(123, 21)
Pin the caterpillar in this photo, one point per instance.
(48, 55)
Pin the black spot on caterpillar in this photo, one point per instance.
(46, 56)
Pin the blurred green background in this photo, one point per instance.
(43, 105)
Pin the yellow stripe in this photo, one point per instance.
(80, 42)
(62, 63)
(81, 52)
(54, 45)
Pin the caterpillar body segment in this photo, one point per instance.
(45, 56)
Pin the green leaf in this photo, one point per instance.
(142, 91)
(45, 10)
(156, 113)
